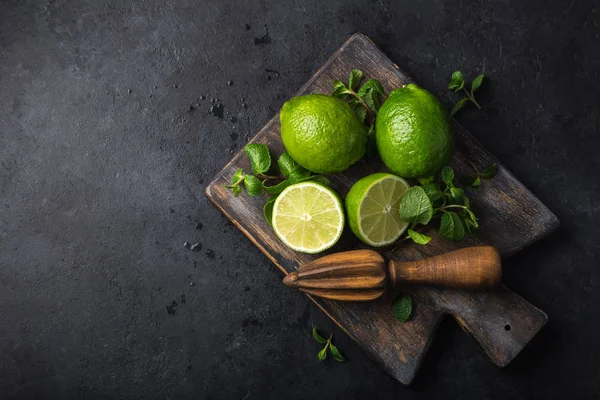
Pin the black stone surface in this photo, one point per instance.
(107, 140)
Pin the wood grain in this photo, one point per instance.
(511, 218)
(474, 268)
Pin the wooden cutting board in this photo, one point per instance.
(511, 217)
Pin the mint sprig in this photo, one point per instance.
(260, 181)
(457, 83)
(328, 346)
(441, 200)
(476, 180)
(363, 101)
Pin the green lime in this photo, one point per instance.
(308, 217)
(372, 206)
(414, 133)
(322, 133)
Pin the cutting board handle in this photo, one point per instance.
(501, 321)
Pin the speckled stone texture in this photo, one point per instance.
(108, 136)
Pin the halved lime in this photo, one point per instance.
(308, 217)
(372, 206)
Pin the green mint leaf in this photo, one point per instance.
(451, 227)
(472, 218)
(489, 172)
(337, 84)
(476, 182)
(371, 99)
(457, 81)
(340, 93)
(291, 169)
(467, 180)
(268, 210)
(433, 191)
(457, 196)
(237, 190)
(415, 206)
(259, 156)
(355, 78)
(418, 238)
(322, 355)
(286, 164)
(462, 102)
(359, 110)
(318, 337)
(274, 190)
(337, 356)
(371, 85)
(402, 307)
(466, 202)
(476, 83)
(238, 175)
(447, 174)
(254, 185)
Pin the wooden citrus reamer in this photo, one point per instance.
(363, 275)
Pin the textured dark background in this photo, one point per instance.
(103, 165)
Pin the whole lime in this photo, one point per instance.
(414, 133)
(322, 133)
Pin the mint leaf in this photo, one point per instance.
(415, 206)
(457, 196)
(260, 157)
(237, 181)
(274, 190)
(238, 175)
(359, 109)
(323, 353)
(472, 218)
(254, 185)
(237, 190)
(433, 191)
(372, 99)
(457, 81)
(418, 238)
(318, 337)
(476, 182)
(451, 227)
(489, 172)
(341, 93)
(402, 307)
(371, 85)
(337, 84)
(447, 174)
(355, 78)
(462, 102)
(337, 356)
(291, 169)
(268, 210)
(476, 83)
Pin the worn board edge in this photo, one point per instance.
(552, 226)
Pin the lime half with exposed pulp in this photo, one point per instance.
(308, 217)
(372, 205)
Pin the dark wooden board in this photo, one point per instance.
(500, 321)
